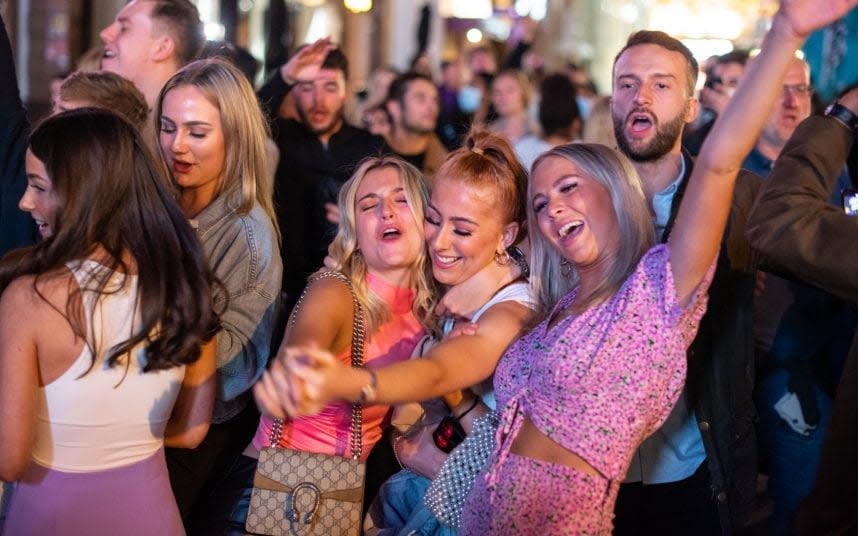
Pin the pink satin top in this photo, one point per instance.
(328, 432)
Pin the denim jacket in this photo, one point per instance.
(244, 254)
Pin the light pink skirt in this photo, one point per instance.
(130, 500)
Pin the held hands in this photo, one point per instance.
(300, 382)
(805, 16)
(305, 64)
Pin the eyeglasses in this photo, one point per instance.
(798, 90)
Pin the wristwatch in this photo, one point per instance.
(844, 115)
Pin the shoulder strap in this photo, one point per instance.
(358, 339)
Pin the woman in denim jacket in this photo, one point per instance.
(212, 137)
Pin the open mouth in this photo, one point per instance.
(639, 122)
(181, 167)
(569, 229)
(390, 233)
(108, 54)
(443, 261)
(44, 228)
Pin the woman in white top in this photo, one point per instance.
(103, 330)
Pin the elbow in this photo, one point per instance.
(188, 439)
(12, 468)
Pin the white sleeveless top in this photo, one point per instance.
(110, 416)
(518, 292)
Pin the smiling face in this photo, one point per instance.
(650, 104)
(388, 235)
(128, 41)
(464, 229)
(40, 198)
(192, 141)
(575, 214)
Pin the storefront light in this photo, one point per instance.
(474, 35)
(358, 6)
(465, 9)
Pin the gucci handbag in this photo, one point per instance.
(303, 493)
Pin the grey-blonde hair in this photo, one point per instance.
(345, 250)
(636, 233)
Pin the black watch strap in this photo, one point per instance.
(844, 115)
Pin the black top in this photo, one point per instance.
(308, 176)
(16, 226)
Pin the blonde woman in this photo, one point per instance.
(213, 141)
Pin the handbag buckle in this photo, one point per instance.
(292, 514)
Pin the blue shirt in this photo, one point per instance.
(674, 451)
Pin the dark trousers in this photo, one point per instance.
(195, 473)
(683, 507)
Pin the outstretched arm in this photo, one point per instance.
(304, 380)
(703, 213)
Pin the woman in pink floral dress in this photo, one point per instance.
(605, 367)
(580, 391)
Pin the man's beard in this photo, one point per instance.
(329, 128)
(665, 138)
(413, 128)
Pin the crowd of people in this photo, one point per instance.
(577, 314)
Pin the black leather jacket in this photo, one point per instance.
(720, 378)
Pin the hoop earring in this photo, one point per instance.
(565, 268)
(502, 258)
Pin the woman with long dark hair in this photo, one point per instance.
(104, 326)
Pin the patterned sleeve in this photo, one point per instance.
(656, 266)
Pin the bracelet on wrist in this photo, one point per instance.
(844, 115)
(368, 393)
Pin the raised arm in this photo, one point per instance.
(703, 212)
(303, 66)
(306, 379)
(793, 224)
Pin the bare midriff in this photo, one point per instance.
(531, 443)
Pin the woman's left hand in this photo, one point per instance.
(806, 16)
(300, 382)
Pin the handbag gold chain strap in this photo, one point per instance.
(358, 336)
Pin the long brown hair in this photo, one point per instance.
(112, 195)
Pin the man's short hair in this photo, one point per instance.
(558, 108)
(654, 37)
(399, 86)
(734, 56)
(337, 61)
(181, 20)
(103, 89)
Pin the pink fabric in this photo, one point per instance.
(134, 499)
(597, 384)
(329, 431)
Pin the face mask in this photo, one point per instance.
(469, 99)
(584, 105)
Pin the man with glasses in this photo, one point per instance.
(792, 108)
(801, 336)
